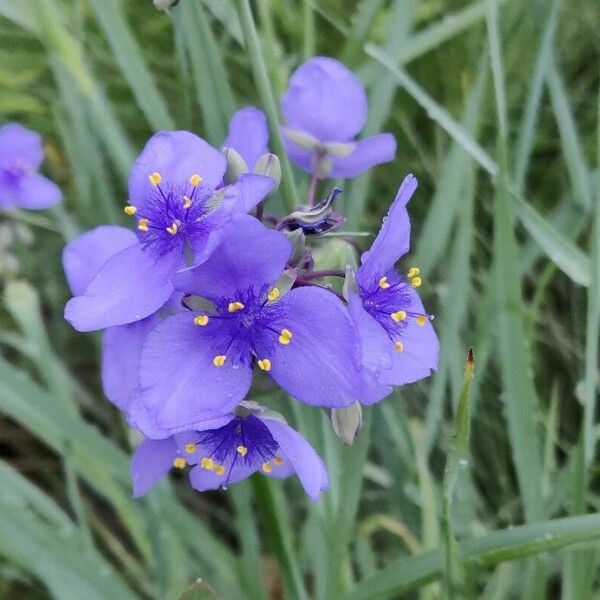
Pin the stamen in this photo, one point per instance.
(383, 283)
(399, 346)
(235, 306)
(179, 463)
(219, 469)
(265, 363)
(413, 272)
(398, 316)
(242, 450)
(155, 178)
(207, 463)
(143, 224)
(190, 448)
(195, 180)
(416, 282)
(173, 229)
(219, 360)
(285, 337)
(187, 202)
(201, 320)
(278, 460)
(273, 294)
(421, 320)
(130, 210)
(266, 467)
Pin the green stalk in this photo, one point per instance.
(267, 99)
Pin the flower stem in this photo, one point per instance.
(323, 273)
(267, 98)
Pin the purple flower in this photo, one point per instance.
(21, 155)
(325, 107)
(398, 343)
(198, 365)
(248, 135)
(174, 198)
(250, 441)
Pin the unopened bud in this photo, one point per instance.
(298, 241)
(347, 422)
(268, 164)
(236, 165)
(350, 286)
(319, 219)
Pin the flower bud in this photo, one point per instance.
(236, 165)
(350, 285)
(298, 241)
(268, 165)
(347, 422)
(316, 220)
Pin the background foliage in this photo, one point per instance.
(495, 107)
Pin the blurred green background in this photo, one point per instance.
(495, 106)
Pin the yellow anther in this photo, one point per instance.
(421, 320)
(416, 281)
(399, 346)
(273, 294)
(195, 180)
(179, 463)
(155, 178)
(219, 360)
(383, 283)
(242, 450)
(143, 224)
(173, 229)
(285, 337)
(219, 469)
(278, 460)
(398, 316)
(130, 210)
(265, 363)
(266, 467)
(201, 320)
(235, 306)
(413, 272)
(190, 448)
(207, 463)
(187, 202)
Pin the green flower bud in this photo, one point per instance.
(347, 422)
(298, 240)
(268, 165)
(236, 165)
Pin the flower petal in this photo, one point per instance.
(369, 152)
(20, 146)
(203, 479)
(151, 460)
(129, 287)
(176, 155)
(320, 364)
(83, 257)
(326, 100)
(248, 134)
(180, 385)
(393, 239)
(306, 462)
(247, 192)
(301, 157)
(36, 192)
(248, 256)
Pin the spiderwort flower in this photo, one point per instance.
(21, 155)
(173, 197)
(325, 107)
(399, 345)
(200, 364)
(250, 440)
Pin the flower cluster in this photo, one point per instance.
(211, 292)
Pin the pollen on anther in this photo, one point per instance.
(190, 448)
(179, 463)
(398, 316)
(201, 320)
(421, 320)
(130, 210)
(242, 450)
(399, 346)
(219, 469)
(207, 463)
(416, 281)
(383, 283)
(266, 467)
(278, 461)
(219, 360)
(273, 294)
(195, 180)
(413, 272)
(187, 202)
(235, 306)
(264, 364)
(143, 224)
(173, 229)
(155, 178)
(285, 337)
